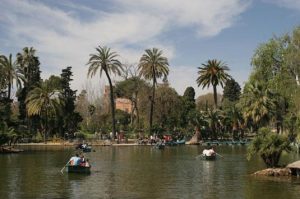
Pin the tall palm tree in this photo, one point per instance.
(26, 57)
(45, 102)
(213, 73)
(11, 71)
(106, 61)
(153, 66)
(29, 64)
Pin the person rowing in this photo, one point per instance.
(75, 160)
(209, 152)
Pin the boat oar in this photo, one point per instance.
(201, 155)
(220, 155)
(64, 167)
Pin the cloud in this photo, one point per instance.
(208, 17)
(65, 34)
(290, 4)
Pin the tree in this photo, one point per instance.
(232, 90)
(213, 73)
(106, 61)
(199, 122)
(205, 102)
(214, 117)
(45, 102)
(29, 63)
(11, 72)
(70, 118)
(153, 66)
(188, 101)
(131, 88)
(268, 146)
(257, 105)
(166, 115)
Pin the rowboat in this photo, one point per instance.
(160, 146)
(180, 141)
(87, 149)
(78, 169)
(10, 150)
(211, 157)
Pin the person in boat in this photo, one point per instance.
(209, 152)
(75, 160)
(84, 146)
(82, 160)
(78, 146)
(87, 164)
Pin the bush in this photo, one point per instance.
(269, 146)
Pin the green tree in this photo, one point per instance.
(29, 63)
(106, 61)
(165, 114)
(131, 88)
(70, 118)
(45, 102)
(189, 105)
(232, 90)
(215, 118)
(152, 66)
(257, 105)
(213, 73)
(205, 102)
(268, 146)
(12, 72)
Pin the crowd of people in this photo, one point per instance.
(79, 160)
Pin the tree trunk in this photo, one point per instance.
(215, 96)
(152, 105)
(112, 103)
(9, 89)
(132, 113)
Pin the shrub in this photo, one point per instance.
(268, 146)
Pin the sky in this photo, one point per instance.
(189, 32)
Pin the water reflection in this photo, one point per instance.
(140, 172)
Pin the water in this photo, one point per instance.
(141, 172)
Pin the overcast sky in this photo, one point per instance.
(189, 32)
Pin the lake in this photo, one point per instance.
(141, 172)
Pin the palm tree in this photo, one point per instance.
(152, 66)
(45, 102)
(213, 73)
(257, 105)
(106, 61)
(215, 120)
(234, 121)
(29, 64)
(11, 71)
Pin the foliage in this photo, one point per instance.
(8, 135)
(153, 66)
(168, 107)
(10, 72)
(188, 105)
(123, 119)
(70, 118)
(268, 146)
(106, 61)
(132, 88)
(205, 102)
(213, 73)
(232, 90)
(30, 65)
(257, 105)
(45, 102)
